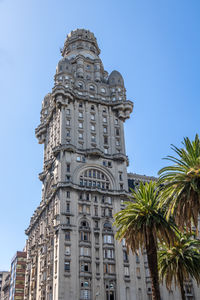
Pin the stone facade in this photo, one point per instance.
(6, 288)
(3, 275)
(71, 250)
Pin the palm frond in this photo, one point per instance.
(180, 183)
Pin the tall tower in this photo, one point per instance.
(71, 249)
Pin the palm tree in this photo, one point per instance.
(141, 223)
(181, 184)
(179, 261)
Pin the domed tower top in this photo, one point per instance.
(115, 79)
(80, 40)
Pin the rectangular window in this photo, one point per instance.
(84, 251)
(67, 236)
(117, 131)
(80, 208)
(85, 294)
(96, 236)
(85, 267)
(109, 200)
(109, 268)
(92, 127)
(138, 272)
(84, 236)
(116, 121)
(96, 211)
(104, 120)
(92, 117)
(67, 265)
(108, 253)
(147, 272)
(105, 130)
(105, 140)
(87, 209)
(120, 176)
(93, 138)
(137, 258)
(68, 167)
(97, 268)
(103, 212)
(80, 125)
(80, 114)
(126, 271)
(125, 255)
(68, 111)
(80, 135)
(68, 194)
(108, 239)
(68, 133)
(106, 150)
(68, 122)
(67, 207)
(117, 142)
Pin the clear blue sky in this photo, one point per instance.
(155, 44)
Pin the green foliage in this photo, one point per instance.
(142, 223)
(181, 184)
(179, 261)
(143, 216)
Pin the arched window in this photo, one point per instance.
(92, 88)
(103, 90)
(104, 110)
(84, 223)
(107, 226)
(94, 178)
(80, 85)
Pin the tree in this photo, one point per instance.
(142, 223)
(181, 184)
(179, 261)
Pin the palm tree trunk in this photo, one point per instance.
(180, 279)
(153, 266)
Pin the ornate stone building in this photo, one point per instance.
(3, 275)
(72, 253)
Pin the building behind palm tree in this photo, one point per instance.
(71, 250)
